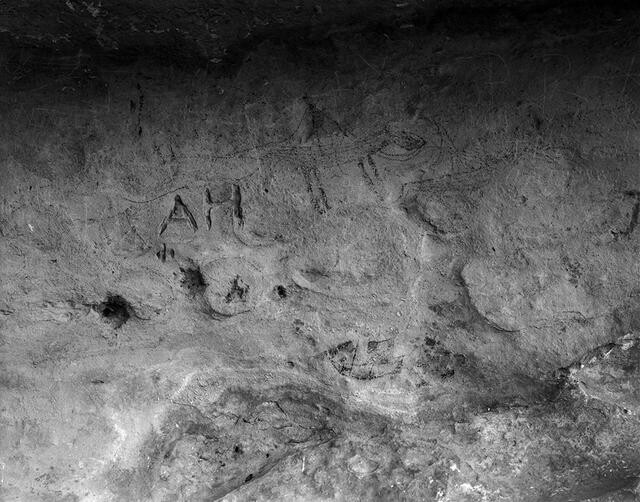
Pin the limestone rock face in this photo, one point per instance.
(388, 259)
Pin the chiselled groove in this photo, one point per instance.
(410, 145)
(319, 118)
(373, 166)
(633, 223)
(346, 147)
(208, 218)
(314, 187)
(396, 147)
(140, 109)
(180, 211)
(236, 201)
(365, 175)
(162, 254)
(375, 362)
(369, 180)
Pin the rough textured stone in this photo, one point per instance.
(401, 264)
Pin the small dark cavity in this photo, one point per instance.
(291, 364)
(237, 449)
(248, 478)
(193, 281)
(281, 291)
(115, 310)
(429, 342)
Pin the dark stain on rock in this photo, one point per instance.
(193, 281)
(375, 362)
(238, 292)
(440, 361)
(115, 310)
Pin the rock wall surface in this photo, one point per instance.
(394, 265)
(208, 32)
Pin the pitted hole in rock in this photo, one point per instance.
(193, 281)
(280, 291)
(115, 310)
(238, 291)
